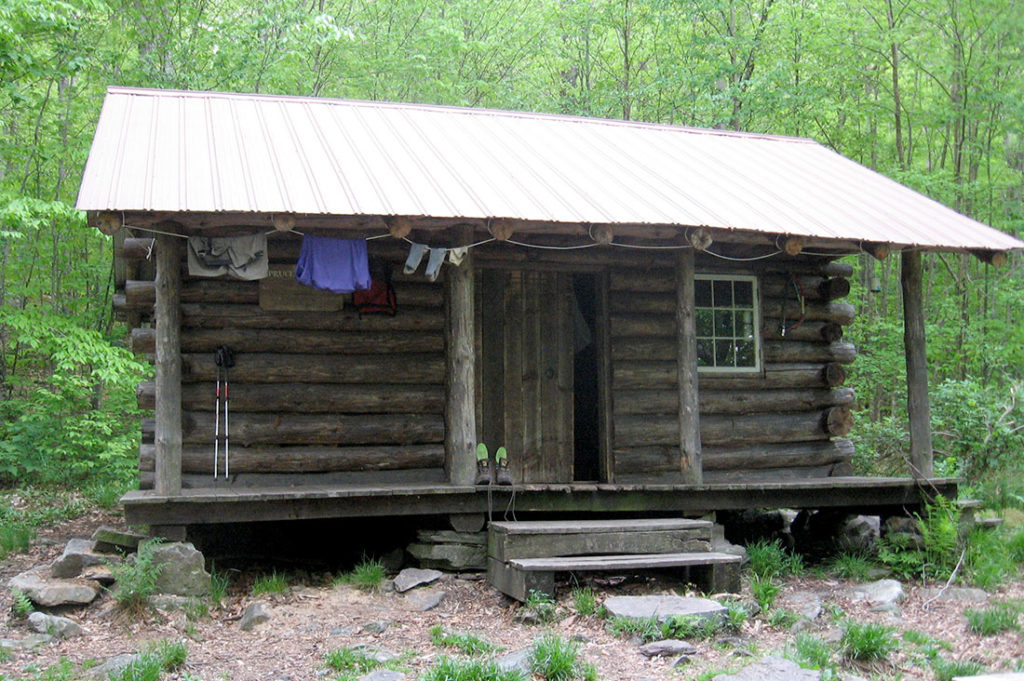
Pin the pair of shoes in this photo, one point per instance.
(486, 474)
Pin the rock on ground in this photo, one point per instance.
(410, 578)
(183, 570)
(881, 593)
(807, 604)
(255, 614)
(78, 555)
(667, 648)
(516, 660)
(110, 539)
(772, 669)
(382, 675)
(49, 592)
(425, 600)
(663, 607)
(58, 627)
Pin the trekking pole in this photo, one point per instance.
(225, 359)
(216, 421)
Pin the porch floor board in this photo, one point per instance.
(211, 505)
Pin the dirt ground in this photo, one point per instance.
(314, 617)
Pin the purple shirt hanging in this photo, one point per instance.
(329, 264)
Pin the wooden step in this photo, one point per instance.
(714, 572)
(632, 561)
(543, 538)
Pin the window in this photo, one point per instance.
(728, 323)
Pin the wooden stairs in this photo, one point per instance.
(524, 556)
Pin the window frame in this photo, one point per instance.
(758, 366)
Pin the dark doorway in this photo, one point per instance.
(586, 421)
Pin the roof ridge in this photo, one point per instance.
(470, 111)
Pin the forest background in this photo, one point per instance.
(929, 92)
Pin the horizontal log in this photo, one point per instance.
(829, 332)
(247, 429)
(657, 348)
(142, 294)
(211, 316)
(654, 374)
(641, 402)
(136, 248)
(199, 458)
(796, 351)
(119, 302)
(753, 457)
(415, 369)
(624, 325)
(811, 287)
(720, 429)
(643, 303)
(793, 474)
(337, 479)
(297, 341)
(789, 309)
(309, 398)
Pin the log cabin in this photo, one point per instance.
(649, 318)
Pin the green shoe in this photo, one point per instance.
(484, 470)
(503, 475)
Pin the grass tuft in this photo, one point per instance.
(769, 559)
(946, 670)
(555, 659)
(851, 565)
(866, 642)
(542, 606)
(467, 644)
(812, 652)
(219, 582)
(994, 620)
(271, 584)
(764, 589)
(451, 669)
(369, 574)
(584, 601)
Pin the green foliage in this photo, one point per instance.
(368, 574)
(988, 562)
(555, 659)
(452, 669)
(584, 601)
(467, 644)
(15, 537)
(165, 656)
(994, 619)
(770, 559)
(646, 629)
(851, 565)
(350, 661)
(813, 652)
(136, 578)
(940, 535)
(736, 615)
(22, 605)
(271, 584)
(195, 609)
(542, 606)
(867, 641)
(782, 619)
(946, 670)
(690, 627)
(219, 582)
(764, 590)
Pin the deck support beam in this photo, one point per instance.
(168, 364)
(460, 377)
(686, 357)
(918, 410)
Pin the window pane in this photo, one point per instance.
(702, 293)
(705, 323)
(724, 354)
(723, 323)
(745, 354)
(705, 353)
(723, 293)
(744, 293)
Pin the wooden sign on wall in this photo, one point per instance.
(279, 292)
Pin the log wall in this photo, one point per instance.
(786, 421)
(314, 396)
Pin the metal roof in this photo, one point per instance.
(162, 150)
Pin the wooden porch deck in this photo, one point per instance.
(202, 506)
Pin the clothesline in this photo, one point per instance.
(549, 247)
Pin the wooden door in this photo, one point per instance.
(526, 376)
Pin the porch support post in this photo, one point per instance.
(460, 377)
(686, 358)
(168, 364)
(921, 461)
